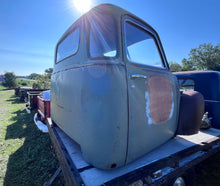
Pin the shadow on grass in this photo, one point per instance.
(3, 89)
(33, 163)
(15, 100)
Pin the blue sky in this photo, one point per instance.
(29, 30)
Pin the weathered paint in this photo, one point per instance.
(144, 133)
(104, 104)
(93, 114)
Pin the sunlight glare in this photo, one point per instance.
(82, 5)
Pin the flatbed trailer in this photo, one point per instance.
(162, 166)
(32, 98)
(43, 108)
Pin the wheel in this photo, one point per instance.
(185, 179)
(179, 182)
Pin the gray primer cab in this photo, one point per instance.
(114, 106)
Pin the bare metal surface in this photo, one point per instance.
(138, 76)
(160, 94)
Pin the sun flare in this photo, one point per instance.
(82, 5)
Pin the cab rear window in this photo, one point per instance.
(102, 36)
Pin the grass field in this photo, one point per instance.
(26, 156)
(22, 82)
(1, 87)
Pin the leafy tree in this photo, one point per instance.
(43, 82)
(188, 65)
(205, 57)
(175, 67)
(36, 86)
(24, 84)
(34, 76)
(48, 72)
(9, 80)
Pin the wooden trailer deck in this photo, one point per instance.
(175, 156)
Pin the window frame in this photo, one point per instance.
(62, 39)
(144, 27)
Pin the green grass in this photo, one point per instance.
(21, 82)
(26, 156)
(2, 87)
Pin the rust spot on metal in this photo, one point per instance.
(107, 100)
(63, 108)
(60, 106)
(113, 165)
(82, 97)
(160, 94)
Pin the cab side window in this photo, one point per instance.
(141, 47)
(69, 46)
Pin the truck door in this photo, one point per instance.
(153, 96)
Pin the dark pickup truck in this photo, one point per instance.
(208, 84)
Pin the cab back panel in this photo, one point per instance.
(90, 104)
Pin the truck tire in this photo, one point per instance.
(191, 113)
(188, 178)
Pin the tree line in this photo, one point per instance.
(205, 57)
(41, 81)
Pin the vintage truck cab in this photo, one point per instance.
(111, 88)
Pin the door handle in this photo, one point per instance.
(135, 76)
